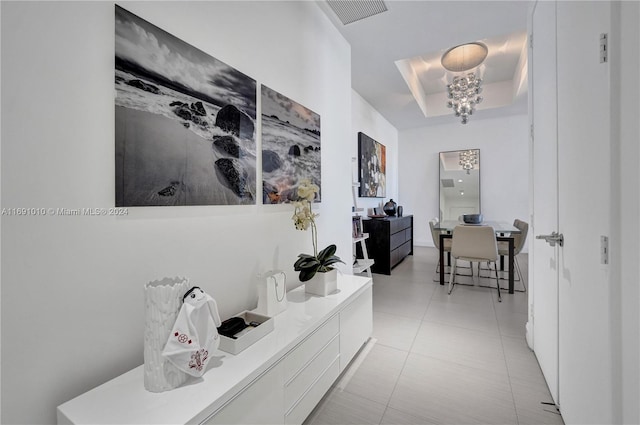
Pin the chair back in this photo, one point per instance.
(435, 234)
(474, 242)
(519, 238)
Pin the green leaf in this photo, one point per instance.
(305, 263)
(332, 260)
(305, 256)
(307, 274)
(326, 253)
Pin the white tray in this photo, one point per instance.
(234, 346)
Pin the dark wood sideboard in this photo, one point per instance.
(390, 241)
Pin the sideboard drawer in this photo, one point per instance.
(261, 402)
(301, 382)
(397, 239)
(303, 352)
(404, 250)
(400, 223)
(300, 411)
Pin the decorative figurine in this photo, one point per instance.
(195, 335)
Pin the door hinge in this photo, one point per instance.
(604, 47)
(604, 250)
(531, 41)
(531, 131)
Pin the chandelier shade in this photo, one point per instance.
(464, 57)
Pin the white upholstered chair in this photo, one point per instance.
(518, 243)
(474, 244)
(435, 235)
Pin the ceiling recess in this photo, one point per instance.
(349, 11)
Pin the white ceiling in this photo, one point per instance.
(413, 33)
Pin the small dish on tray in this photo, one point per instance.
(377, 216)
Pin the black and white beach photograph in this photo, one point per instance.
(290, 147)
(184, 122)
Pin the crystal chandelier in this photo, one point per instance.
(468, 159)
(464, 89)
(463, 94)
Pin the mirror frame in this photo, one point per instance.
(440, 211)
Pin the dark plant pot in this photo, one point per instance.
(390, 208)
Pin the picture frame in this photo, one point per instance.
(372, 163)
(356, 222)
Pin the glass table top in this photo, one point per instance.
(498, 226)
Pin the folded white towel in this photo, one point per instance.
(195, 335)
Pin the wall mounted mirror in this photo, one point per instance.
(459, 183)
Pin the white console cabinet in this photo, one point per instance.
(278, 380)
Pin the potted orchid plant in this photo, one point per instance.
(304, 218)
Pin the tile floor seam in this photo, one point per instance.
(458, 364)
(428, 305)
(496, 336)
(506, 364)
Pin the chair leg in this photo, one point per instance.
(437, 278)
(453, 275)
(524, 287)
(497, 282)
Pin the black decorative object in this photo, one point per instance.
(399, 211)
(472, 218)
(390, 208)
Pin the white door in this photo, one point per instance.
(543, 294)
(584, 184)
(574, 319)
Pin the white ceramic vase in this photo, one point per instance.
(162, 302)
(322, 283)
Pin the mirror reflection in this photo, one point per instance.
(459, 183)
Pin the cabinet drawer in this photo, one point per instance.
(307, 349)
(301, 382)
(408, 234)
(404, 250)
(400, 224)
(397, 239)
(309, 401)
(261, 402)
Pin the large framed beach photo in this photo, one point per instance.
(290, 147)
(184, 122)
(372, 164)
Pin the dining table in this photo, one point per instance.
(504, 233)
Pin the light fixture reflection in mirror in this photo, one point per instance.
(459, 183)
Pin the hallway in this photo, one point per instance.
(436, 358)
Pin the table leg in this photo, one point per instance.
(441, 259)
(511, 264)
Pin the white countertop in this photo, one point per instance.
(124, 400)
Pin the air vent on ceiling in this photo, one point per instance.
(349, 11)
(447, 182)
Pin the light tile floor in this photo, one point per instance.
(436, 358)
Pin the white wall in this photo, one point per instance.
(72, 300)
(369, 121)
(504, 158)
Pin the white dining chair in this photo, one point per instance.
(435, 235)
(474, 244)
(518, 243)
(519, 240)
